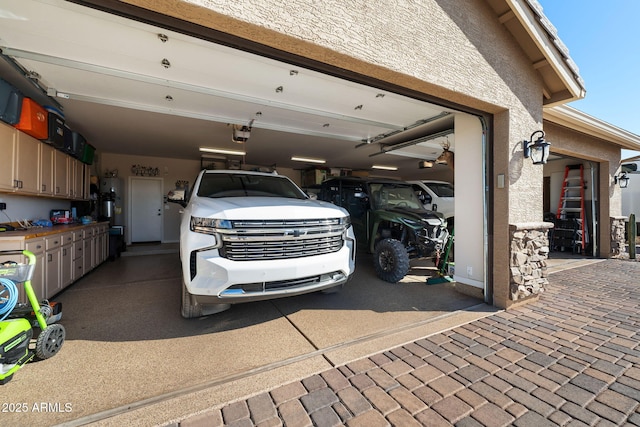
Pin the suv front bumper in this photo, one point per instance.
(219, 280)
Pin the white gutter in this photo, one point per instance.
(577, 120)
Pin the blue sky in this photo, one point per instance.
(603, 38)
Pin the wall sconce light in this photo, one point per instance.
(622, 179)
(538, 150)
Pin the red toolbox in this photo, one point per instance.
(33, 119)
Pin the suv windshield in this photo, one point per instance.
(215, 185)
(442, 189)
(386, 196)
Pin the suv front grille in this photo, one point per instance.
(269, 240)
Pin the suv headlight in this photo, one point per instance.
(208, 225)
(345, 221)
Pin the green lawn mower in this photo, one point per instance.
(18, 320)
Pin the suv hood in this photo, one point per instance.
(247, 208)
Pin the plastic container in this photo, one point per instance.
(56, 128)
(88, 154)
(33, 119)
(10, 103)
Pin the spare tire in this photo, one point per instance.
(391, 260)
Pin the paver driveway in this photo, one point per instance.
(572, 358)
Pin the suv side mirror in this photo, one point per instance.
(424, 198)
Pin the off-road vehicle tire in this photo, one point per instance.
(390, 260)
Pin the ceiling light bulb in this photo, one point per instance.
(307, 159)
(222, 151)
(385, 168)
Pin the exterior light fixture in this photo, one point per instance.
(538, 150)
(622, 179)
(307, 159)
(222, 151)
(384, 168)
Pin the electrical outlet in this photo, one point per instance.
(3, 206)
(469, 271)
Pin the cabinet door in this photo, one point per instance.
(61, 174)
(27, 156)
(52, 275)
(88, 253)
(7, 148)
(76, 190)
(46, 169)
(66, 266)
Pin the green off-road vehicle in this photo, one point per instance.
(389, 221)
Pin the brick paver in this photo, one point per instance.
(571, 358)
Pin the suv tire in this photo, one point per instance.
(391, 260)
(190, 308)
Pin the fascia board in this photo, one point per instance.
(540, 37)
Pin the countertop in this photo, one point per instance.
(33, 232)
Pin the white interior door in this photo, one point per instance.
(145, 207)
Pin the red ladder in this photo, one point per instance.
(571, 203)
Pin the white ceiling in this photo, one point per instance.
(107, 74)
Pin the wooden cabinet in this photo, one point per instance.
(61, 174)
(61, 258)
(77, 258)
(47, 157)
(52, 257)
(33, 167)
(20, 152)
(27, 155)
(66, 260)
(8, 150)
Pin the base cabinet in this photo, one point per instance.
(61, 258)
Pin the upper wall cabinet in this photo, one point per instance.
(56, 174)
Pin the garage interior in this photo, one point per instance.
(141, 95)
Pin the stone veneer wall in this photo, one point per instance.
(618, 231)
(529, 252)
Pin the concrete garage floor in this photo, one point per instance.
(130, 359)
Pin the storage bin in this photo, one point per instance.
(33, 119)
(56, 127)
(73, 143)
(10, 103)
(88, 153)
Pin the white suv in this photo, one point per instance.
(250, 236)
(437, 196)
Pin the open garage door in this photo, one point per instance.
(137, 89)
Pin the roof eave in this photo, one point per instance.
(577, 120)
(543, 34)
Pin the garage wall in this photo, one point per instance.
(171, 170)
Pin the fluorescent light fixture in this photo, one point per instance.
(384, 168)
(222, 151)
(307, 159)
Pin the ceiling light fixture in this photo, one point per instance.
(222, 151)
(307, 159)
(385, 168)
